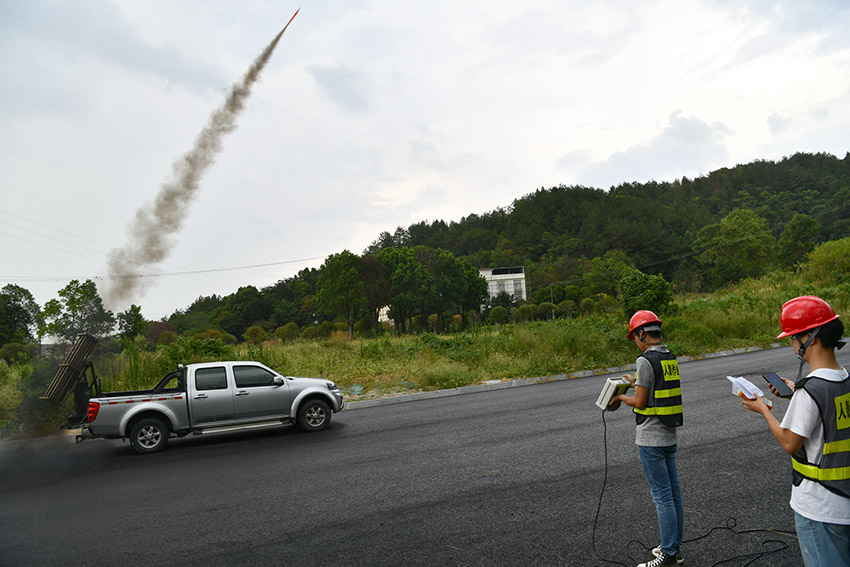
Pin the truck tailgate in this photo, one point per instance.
(114, 413)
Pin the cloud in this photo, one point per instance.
(686, 146)
(86, 32)
(777, 124)
(345, 86)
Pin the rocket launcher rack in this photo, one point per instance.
(73, 370)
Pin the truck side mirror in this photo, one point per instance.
(278, 381)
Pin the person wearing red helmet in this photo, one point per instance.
(815, 431)
(657, 405)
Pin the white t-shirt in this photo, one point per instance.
(811, 499)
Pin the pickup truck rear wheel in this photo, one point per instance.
(149, 435)
(314, 415)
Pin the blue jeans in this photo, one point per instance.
(659, 466)
(822, 544)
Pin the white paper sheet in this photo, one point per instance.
(750, 390)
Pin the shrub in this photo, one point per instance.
(568, 307)
(36, 416)
(15, 353)
(528, 312)
(10, 397)
(830, 261)
(498, 315)
(287, 333)
(166, 338)
(255, 334)
(547, 310)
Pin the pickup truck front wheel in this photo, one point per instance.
(314, 415)
(149, 435)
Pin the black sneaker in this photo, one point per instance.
(661, 560)
(679, 557)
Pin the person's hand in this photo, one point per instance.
(630, 379)
(788, 383)
(757, 405)
(614, 404)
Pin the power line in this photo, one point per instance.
(157, 275)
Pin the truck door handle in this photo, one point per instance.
(242, 393)
(201, 397)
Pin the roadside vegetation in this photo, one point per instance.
(741, 315)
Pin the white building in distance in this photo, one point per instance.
(510, 280)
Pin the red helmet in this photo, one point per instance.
(803, 314)
(641, 318)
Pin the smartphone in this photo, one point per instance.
(782, 389)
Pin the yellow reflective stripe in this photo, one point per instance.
(672, 410)
(813, 472)
(671, 393)
(836, 447)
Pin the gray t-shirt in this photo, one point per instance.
(652, 432)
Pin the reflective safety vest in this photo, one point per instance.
(833, 470)
(665, 401)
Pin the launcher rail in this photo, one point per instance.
(71, 373)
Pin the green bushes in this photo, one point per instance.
(10, 397)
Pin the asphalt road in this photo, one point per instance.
(504, 477)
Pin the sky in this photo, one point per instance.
(372, 115)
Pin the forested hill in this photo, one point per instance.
(576, 244)
(656, 224)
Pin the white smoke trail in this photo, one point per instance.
(155, 224)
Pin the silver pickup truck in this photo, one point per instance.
(211, 397)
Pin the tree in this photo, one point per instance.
(249, 307)
(20, 315)
(131, 323)
(641, 291)
(155, 329)
(473, 290)
(797, 239)
(605, 272)
(340, 287)
(411, 285)
(502, 299)
(226, 321)
(458, 286)
(376, 287)
(79, 309)
(739, 246)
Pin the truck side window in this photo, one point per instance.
(251, 376)
(211, 379)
